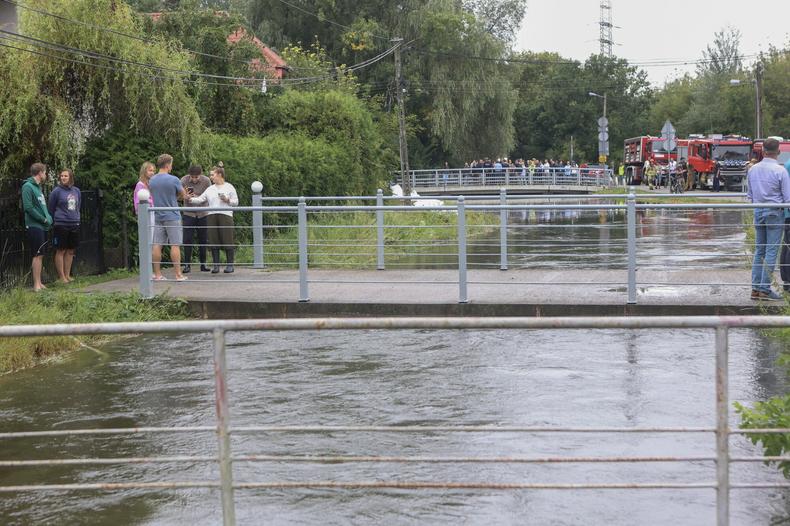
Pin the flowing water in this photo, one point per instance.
(601, 378)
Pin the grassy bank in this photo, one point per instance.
(65, 305)
(338, 240)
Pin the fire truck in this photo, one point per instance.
(784, 150)
(732, 154)
(645, 148)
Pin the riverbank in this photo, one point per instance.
(69, 304)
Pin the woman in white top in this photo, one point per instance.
(219, 222)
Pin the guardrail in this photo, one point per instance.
(224, 457)
(622, 248)
(511, 176)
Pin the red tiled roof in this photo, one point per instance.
(274, 62)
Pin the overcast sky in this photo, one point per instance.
(668, 29)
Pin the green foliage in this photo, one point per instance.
(554, 105)
(111, 163)
(50, 107)
(775, 413)
(69, 306)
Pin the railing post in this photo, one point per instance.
(507, 177)
(380, 230)
(631, 219)
(722, 429)
(483, 180)
(144, 244)
(502, 229)
(304, 296)
(462, 292)
(223, 434)
(436, 178)
(553, 176)
(579, 176)
(257, 225)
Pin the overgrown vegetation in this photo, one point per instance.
(58, 305)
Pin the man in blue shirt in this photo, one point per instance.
(769, 183)
(166, 189)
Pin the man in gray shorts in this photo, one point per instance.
(166, 190)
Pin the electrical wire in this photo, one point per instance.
(115, 32)
(18, 38)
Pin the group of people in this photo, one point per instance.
(502, 164)
(212, 228)
(60, 213)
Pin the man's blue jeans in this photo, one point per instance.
(768, 227)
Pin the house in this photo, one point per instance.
(270, 62)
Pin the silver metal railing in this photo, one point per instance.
(219, 328)
(455, 178)
(462, 239)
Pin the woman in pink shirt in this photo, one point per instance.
(146, 172)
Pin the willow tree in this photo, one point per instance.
(69, 79)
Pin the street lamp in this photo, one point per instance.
(593, 94)
(758, 105)
(603, 130)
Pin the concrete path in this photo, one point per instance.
(252, 293)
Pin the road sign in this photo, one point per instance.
(603, 136)
(668, 134)
(602, 159)
(603, 147)
(603, 122)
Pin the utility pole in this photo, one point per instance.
(404, 147)
(758, 108)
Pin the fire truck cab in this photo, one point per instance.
(784, 150)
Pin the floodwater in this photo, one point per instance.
(603, 378)
(666, 239)
(506, 377)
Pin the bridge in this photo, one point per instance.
(476, 181)
(573, 255)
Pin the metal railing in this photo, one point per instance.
(452, 178)
(721, 483)
(624, 248)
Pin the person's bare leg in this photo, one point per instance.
(38, 262)
(59, 258)
(68, 260)
(156, 256)
(175, 257)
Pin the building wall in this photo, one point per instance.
(8, 19)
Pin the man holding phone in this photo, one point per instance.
(195, 183)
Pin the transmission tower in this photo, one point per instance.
(606, 39)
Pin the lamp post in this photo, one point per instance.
(593, 94)
(758, 104)
(759, 68)
(603, 130)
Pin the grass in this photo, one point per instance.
(349, 239)
(62, 305)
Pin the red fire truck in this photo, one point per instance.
(732, 154)
(784, 150)
(645, 148)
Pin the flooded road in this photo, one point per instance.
(503, 377)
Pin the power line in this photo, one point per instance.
(255, 80)
(115, 32)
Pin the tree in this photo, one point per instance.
(70, 85)
(723, 56)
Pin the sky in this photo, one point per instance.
(667, 29)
